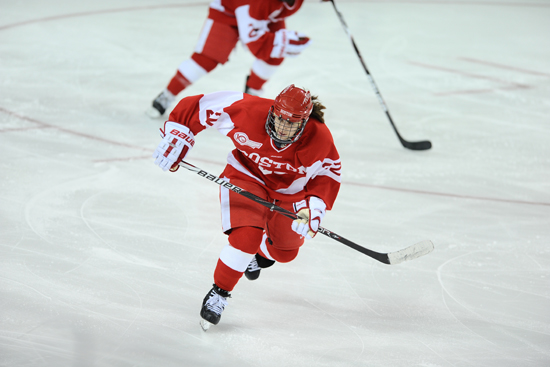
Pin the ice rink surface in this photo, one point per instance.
(105, 259)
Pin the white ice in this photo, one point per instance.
(105, 259)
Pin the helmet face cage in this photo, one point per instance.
(288, 115)
(284, 128)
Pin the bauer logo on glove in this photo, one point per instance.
(183, 135)
(174, 146)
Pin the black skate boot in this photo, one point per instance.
(246, 88)
(213, 306)
(252, 271)
(257, 263)
(160, 104)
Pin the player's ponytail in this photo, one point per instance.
(317, 112)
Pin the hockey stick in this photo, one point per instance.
(413, 145)
(391, 258)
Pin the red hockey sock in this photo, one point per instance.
(178, 83)
(255, 82)
(225, 277)
(245, 239)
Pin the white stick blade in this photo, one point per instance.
(411, 252)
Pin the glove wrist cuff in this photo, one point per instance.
(299, 205)
(316, 204)
(279, 44)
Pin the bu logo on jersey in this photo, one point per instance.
(242, 139)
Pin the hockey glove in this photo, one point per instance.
(174, 147)
(310, 214)
(288, 44)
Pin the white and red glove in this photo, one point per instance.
(288, 44)
(178, 141)
(310, 214)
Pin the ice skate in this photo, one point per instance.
(160, 104)
(252, 271)
(213, 306)
(257, 263)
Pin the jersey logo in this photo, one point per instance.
(242, 139)
(253, 31)
(212, 117)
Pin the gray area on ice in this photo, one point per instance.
(105, 259)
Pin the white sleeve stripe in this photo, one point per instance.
(316, 169)
(331, 174)
(211, 113)
(235, 258)
(328, 167)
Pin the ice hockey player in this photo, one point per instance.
(259, 25)
(284, 153)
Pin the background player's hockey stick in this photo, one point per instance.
(413, 145)
(391, 258)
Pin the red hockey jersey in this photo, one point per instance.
(308, 167)
(257, 20)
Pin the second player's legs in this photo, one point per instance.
(260, 73)
(216, 41)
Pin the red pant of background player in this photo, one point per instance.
(252, 229)
(216, 41)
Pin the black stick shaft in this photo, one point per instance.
(421, 145)
(373, 254)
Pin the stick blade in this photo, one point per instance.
(417, 145)
(411, 252)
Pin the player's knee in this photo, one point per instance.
(283, 256)
(274, 62)
(246, 239)
(204, 62)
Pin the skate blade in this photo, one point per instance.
(153, 113)
(205, 325)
